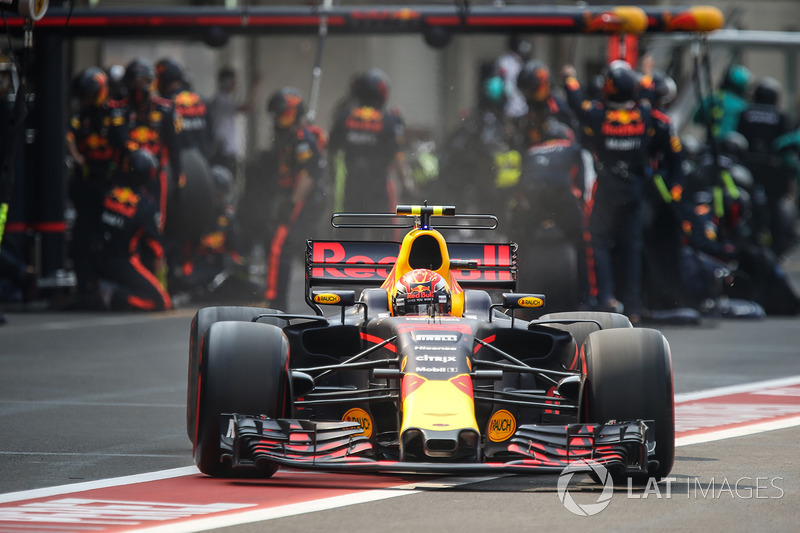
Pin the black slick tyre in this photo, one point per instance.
(243, 369)
(202, 320)
(629, 377)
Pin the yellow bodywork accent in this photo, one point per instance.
(402, 267)
(438, 405)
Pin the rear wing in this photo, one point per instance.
(368, 263)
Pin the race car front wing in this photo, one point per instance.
(622, 447)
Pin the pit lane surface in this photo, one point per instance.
(88, 397)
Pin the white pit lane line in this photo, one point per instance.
(259, 515)
(744, 427)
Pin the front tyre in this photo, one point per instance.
(243, 369)
(629, 377)
(202, 320)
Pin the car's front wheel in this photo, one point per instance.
(201, 321)
(629, 377)
(243, 369)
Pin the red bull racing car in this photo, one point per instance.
(427, 371)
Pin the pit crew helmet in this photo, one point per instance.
(664, 88)
(372, 88)
(767, 91)
(91, 88)
(421, 292)
(533, 81)
(621, 83)
(492, 93)
(737, 79)
(141, 167)
(286, 108)
(168, 72)
(138, 80)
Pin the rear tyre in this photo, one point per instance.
(629, 377)
(581, 330)
(200, 323)
(243, 370)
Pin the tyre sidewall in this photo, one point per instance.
(201, 321)
(628, 376)
(243, 369)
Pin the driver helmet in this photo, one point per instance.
(421, 292)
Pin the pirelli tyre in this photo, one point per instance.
(243, 370)
(202, 320)
(581, 330)
(629, 377)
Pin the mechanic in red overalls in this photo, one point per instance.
(95, 137)
(130, 227)
(295, 166)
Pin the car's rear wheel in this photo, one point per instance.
(581, 330)
(243, 369)
(202, 320)
(629, 377)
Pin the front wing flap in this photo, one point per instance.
(249, 441)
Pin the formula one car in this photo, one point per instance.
(424, 373)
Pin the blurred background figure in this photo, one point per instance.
(720, 110)
(367, 147)
(151, 124)
(478, 155)
(508, 66)
(227, 147)
(547, 218)
(762, 123)
(130, 228)
(620, 134)
(95, 138)
(292, 175)
(191, 204)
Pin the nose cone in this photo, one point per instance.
(426, 444)
(438, 419)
